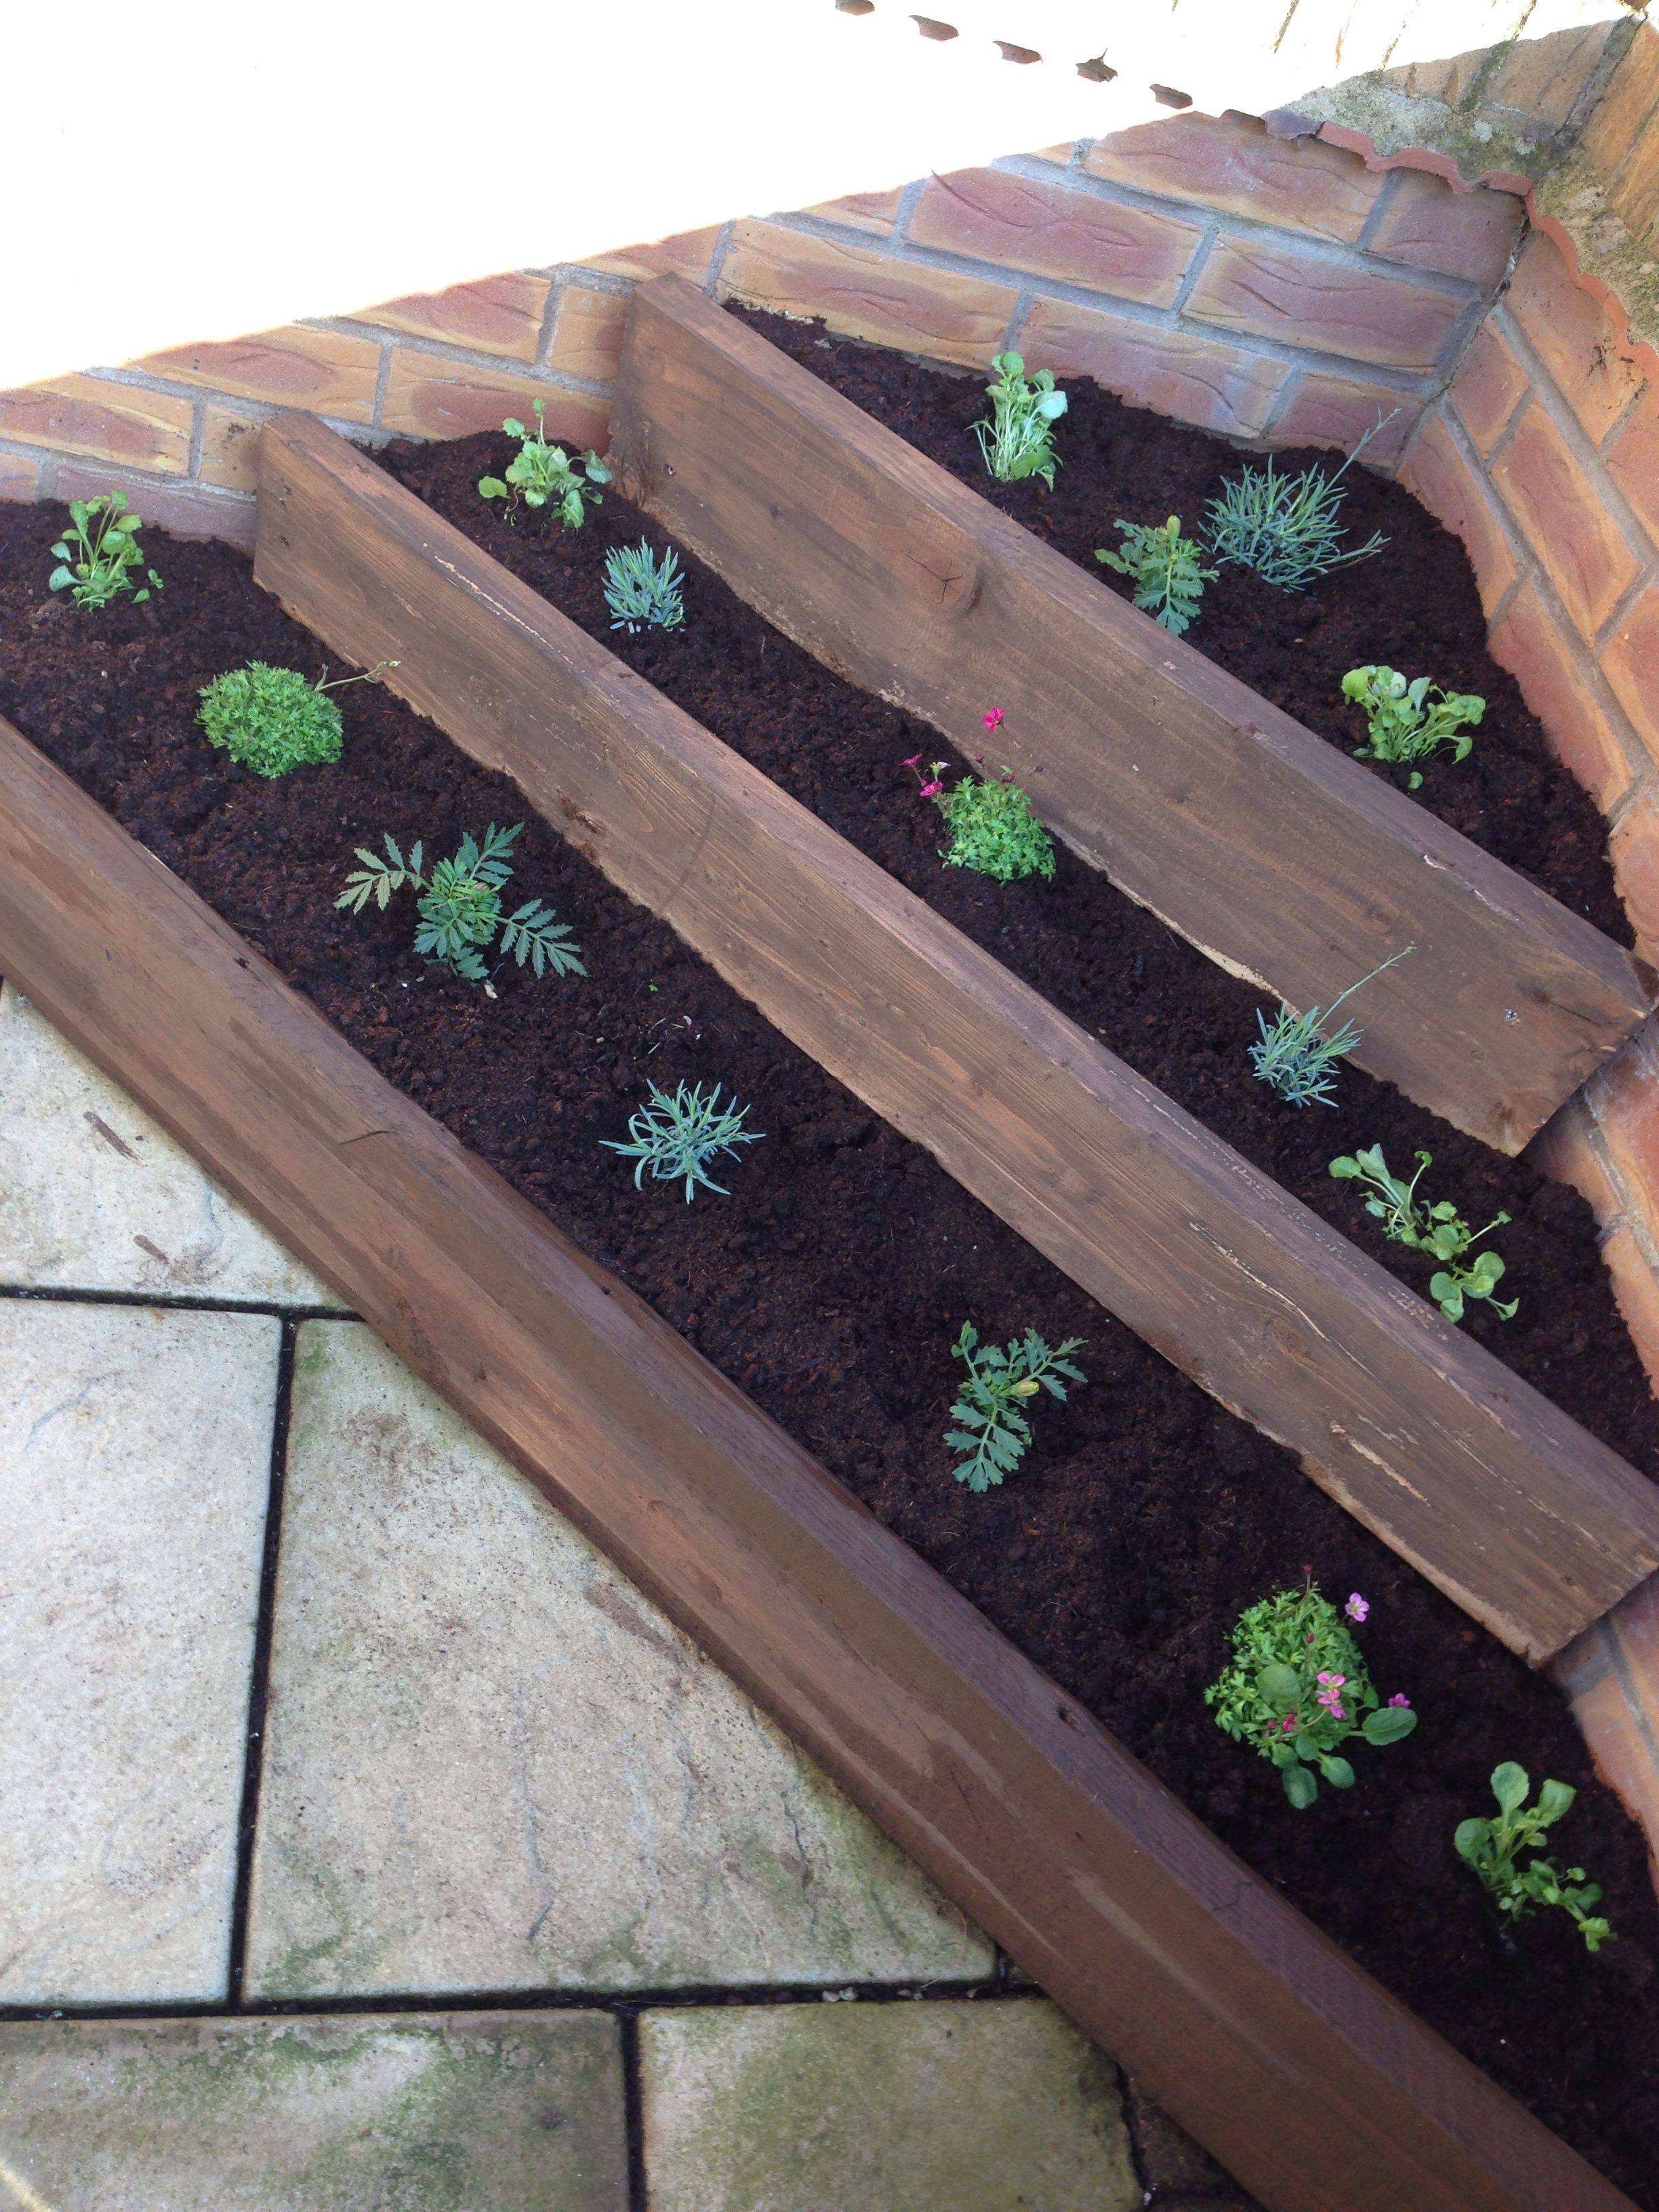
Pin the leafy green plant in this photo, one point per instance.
(1492, 1848)
(1285, 527)
(1298, 1689)
(1166, 568)
(642, 592)
(994, 830)
(273, 720)
(1439, 1230)
(678, 1136)
(994, 1433)
(99, 556)
(1405, 724)
(1293, 1056)
(543, 475)
(1016, 439)
(460, 907)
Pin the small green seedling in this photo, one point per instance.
(642, 592)
(1293, 1056)
(273, 720)
(460, 906)
(1017, 438)
(1168, 571)
(994, 1434)
(678, 1136)
(99, 556)
(1296, 1689)
(1405, 724)
(1439, 1230)
(994, 830)
(1285, 527)
(545, 476)
(1491, 1848)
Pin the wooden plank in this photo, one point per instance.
(1320, 2091)
(1268, 849)
(1509, 1506)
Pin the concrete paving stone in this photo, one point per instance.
(485, 2112)
(134, 1471)
(93, 1196)
(939, 2106)
(491, 1763)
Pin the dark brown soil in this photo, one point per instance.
(1413, 605)
(829, 1285)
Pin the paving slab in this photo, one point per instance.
(135, 1460)
(490, 1763)
(939, 2106)
(497, 2112)
(95, 1196)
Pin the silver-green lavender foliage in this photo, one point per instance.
(1016, 439)
(1168, 569)
(460, 907)
(99, 556)
(1294, 1055)
(545, 476)
(1493, 1848)
(643, 590)
(1285, 527)
(677, 1137)
(993, 1433)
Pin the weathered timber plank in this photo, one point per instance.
(1266, 847)
(1509, 1506)
(1319, 2090)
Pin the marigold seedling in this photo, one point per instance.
(1294, 1056)
(98, 556)
(460, 907)
(1016, 439)
(1296, 1689)
(1285, 527)
(1405, 723)
(545, 476)
(274, 720)
(1168, 570)
(994, 830)
(1492, 1848)
(1439, 1230)
(994, 1433)
(677, 1137)
(642, 591)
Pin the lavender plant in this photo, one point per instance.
(676, 1137)
(1492, 1848)
(1016, 439)
(993, 1434)
(1285, 527)
(1168, 571)
(642, 591)
(1294, 1057)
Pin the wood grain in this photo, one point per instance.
(1317, 2088)
(1264, 845)
(1505, 1503)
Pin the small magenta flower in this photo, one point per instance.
(914, 761)
(932, 790)
(993, 720)
(1356, 1607)
(1400, 1699)
(1330, 1695)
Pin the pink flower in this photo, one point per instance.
(914, 761)
(1330, 1695)
(932, 790)
(1400, 1699)
(993, 720)
(1356, 1607)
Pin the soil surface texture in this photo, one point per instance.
(832, 1281)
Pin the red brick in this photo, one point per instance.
(1565, 1150)
(1577, 343)
(867, 295)
(427, 397)
(1295, 297)
(1619, 121)
(872, 211)
(1175, 373)
(327, 372)
(1432, 225)
(230, 449)
(498, 315)
(1637, 1290)
(187, 510)
(1338, 410)
(1630, 661)
(1049, 230)
(1633, 462)
(687, 253)
(19, 477)
(1543, 77)
(1562, 516)
(1635, 1624)
(116, 422)
(1233, 163)
(1619, 1750)
(1552, 672)
(1634, 846)
(1488, 387)
(1435, 472)
(588, 332)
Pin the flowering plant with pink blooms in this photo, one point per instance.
(1298, 1689)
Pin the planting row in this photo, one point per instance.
(1119, 1538)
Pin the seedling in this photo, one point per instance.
(99, 555)
(642, 592)
(678, 1136)
(995, 1433)
(1285, 527)
(1492, 1847)
(1298, 1689)
(1017, 438)
(994, 830)
(460, 906)
(1293, 1056)
(1404, 724)
(273, 719)
(1439, 1230)
(1170, 578)
(543, 475)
